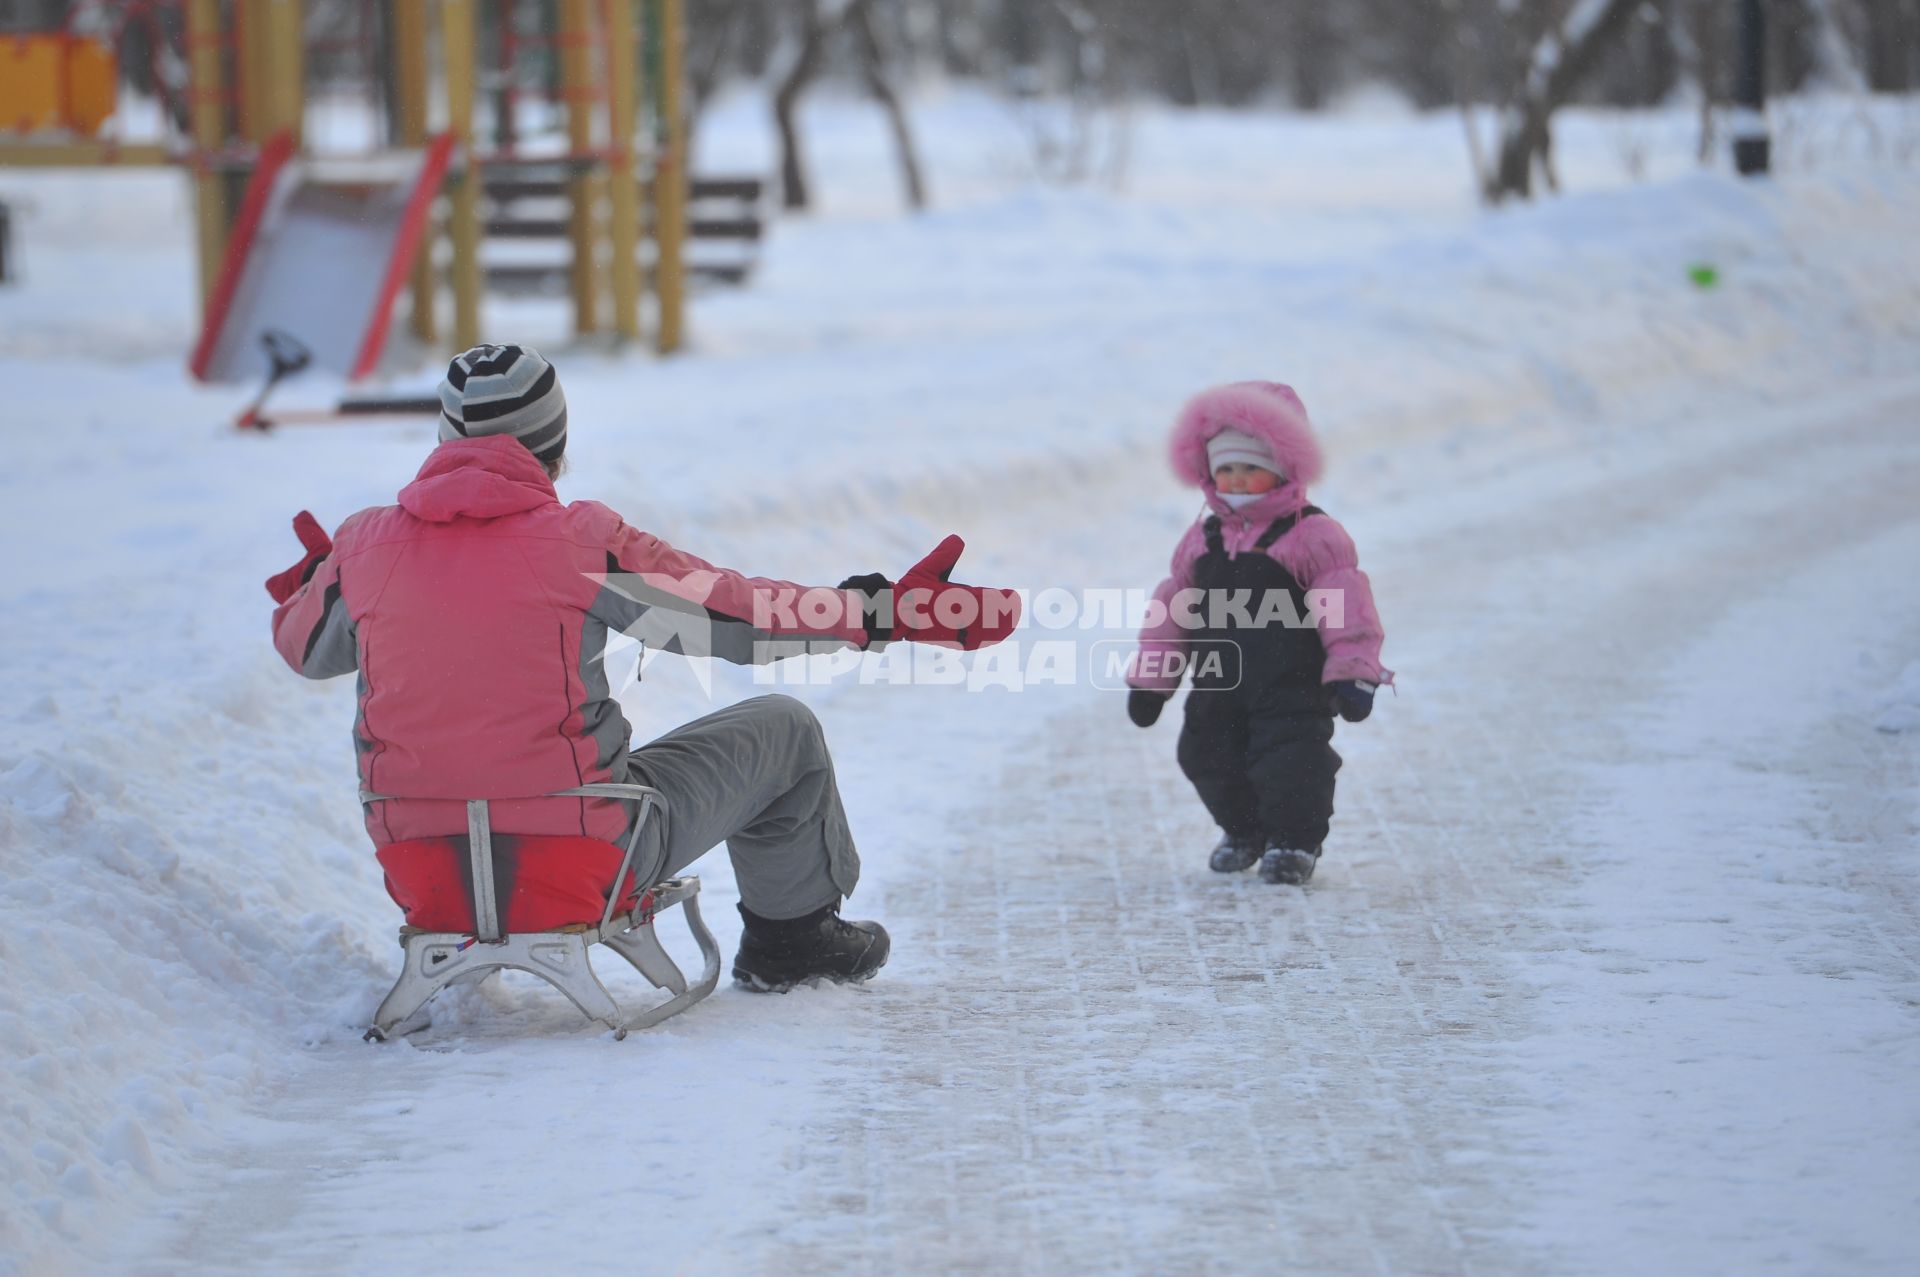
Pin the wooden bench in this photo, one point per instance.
(526, 204)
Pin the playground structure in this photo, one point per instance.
(238, 85)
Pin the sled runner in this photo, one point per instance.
(538, 903)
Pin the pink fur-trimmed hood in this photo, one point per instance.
(1267, 410)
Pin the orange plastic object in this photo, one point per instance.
(30, 82)
(56, 82)
(93, 78)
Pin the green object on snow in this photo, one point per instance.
(1704, 274)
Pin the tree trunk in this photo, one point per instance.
(873, 66)
(1522, 132)
(794, 193)
(1555, 69)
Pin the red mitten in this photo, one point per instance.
(284, 585)
(928, 608)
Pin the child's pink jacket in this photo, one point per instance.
(1317, 551)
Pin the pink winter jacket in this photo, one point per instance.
(477, 610)
(1317, 551)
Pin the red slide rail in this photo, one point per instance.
(233, 264)
(406, 246)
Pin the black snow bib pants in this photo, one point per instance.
(1256, 742)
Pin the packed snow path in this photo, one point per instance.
(1613, 960)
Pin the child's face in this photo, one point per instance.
(1240, 477)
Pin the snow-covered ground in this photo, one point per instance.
(1614, 959)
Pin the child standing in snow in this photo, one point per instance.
(1268, 606)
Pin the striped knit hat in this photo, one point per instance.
(505, 390)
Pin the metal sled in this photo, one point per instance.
(437, 959)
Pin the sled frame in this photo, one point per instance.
(436, 960)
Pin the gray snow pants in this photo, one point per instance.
(756, 776)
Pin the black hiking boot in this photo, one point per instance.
(1235, 854)
(776, 954)
(1288, 867)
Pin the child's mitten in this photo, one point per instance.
(314, 540)
(1144, 707)
(1351, 698)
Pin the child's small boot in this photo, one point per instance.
(1288, 866)
(1234, 855)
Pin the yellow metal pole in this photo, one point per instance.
(624, 207)
(249, 69)
(670, 182)
(207, 107)
(269, 53)
(285, 51)
(411, 75)
(456, 56)
(576, 86)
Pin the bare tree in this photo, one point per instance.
(873, 67)
(816, 28)
(1524, 58)
(1555, 68)
(1074, 127)
(810, 51)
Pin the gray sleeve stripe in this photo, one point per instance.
(333, 647)
(668, 622)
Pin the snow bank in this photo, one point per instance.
(186, 899)
(165, 941)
